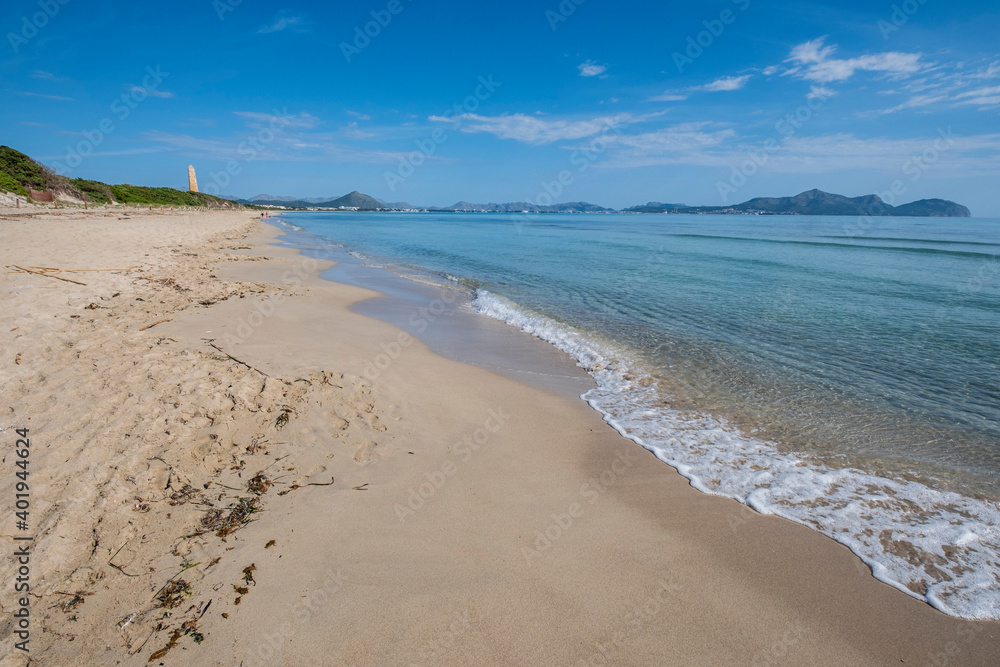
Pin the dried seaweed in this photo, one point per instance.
(259, 484)
(174, 593)
(223, 524)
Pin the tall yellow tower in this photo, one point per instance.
(192, 179)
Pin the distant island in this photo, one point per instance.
(817, 202)
(23, 176)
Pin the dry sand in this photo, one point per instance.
(472, 520)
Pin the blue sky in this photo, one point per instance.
(613, 103)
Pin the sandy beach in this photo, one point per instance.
(215, 479)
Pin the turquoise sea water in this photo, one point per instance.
(844, 376)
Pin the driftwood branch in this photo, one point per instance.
(49, 275)
(240, 362)
(150, 326)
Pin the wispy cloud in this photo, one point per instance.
(820, 92)
(814, 61)
(301, 120)
(725, 83)
(287, 146)
(42, 74)
(591, 68)
(535, 130)
(669, 97)
(980, 96)
(717, 145)
(359, 115)
(283, 21)
(152, 92)
(58, 98)
(353, 131)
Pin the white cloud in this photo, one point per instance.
(590, 68)
(684, 143)
(534, 130)
(353, 131)
(151, 92)
(41, 74)
(289, 145)
(815, 63)
(359, 116)
(302, 120)
(820, 92)
(282, 22)
(668, 97)
(991, 72)
(811, 52)
(58, 98)
(725, 83)
(983, 97)
(915, 102)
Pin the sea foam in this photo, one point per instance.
(934, 545)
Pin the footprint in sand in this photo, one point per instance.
(305, 477)
(375, 424)
(367, 453)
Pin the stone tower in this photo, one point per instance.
(192, 179)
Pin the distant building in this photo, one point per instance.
(192, 179)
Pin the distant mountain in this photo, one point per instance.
(285, 198)
(933, 208)
(354, 199)
(817, 202)
(521, 207)
(812, 202)
(655, 207)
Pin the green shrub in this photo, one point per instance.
(93, 191)
(8, 184)
(21, 168)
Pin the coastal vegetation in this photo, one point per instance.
(19, 174)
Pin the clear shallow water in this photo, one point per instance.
(848, 383)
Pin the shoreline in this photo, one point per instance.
(537, 533)
(932, 543)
